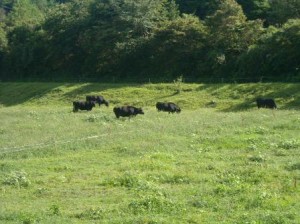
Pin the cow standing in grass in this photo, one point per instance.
(266, 103)
(168, 107)
(98, 99)
(83, 105)
(127, 111)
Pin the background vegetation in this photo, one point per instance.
(138, 40)
(221, 160)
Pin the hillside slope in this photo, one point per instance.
(225, 97)
(198, 166)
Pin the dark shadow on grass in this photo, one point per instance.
(210, 88)
(247, 105)
(20, 92)
(294, 104)
(17, 93)
(170, 95)
(95, 89)
(160, 99)
(286, 96)
(290, 93)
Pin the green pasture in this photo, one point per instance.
(221, 160)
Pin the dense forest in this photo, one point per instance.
(157, 40)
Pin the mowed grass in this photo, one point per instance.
(219, 161)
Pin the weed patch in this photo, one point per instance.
(173, 179)
(17, 178)
(92, 214)
(257, 158)
(293, 166)
(152, 203)
(289, 144)
(54, 210)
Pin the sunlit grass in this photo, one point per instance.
(203, 165)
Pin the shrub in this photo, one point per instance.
(93, 214)
(17, 178)
(289, 144)
(294, 166)
(154, 203)
(257, 158)
(54, 210)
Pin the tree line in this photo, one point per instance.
(159, 40)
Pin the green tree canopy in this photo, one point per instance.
(255, 9)
(24, 13)
(200, 8)
(117, 27)
(283, 10)
(230, 34)
(177, 48)
(141, 39)
(276, 56)
(3, 40)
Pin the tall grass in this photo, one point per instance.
(220, 164)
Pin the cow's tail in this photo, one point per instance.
(75, 109)
(116, 112)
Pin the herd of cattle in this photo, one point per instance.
(89, 103)
(129, 111)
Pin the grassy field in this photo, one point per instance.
(221, 160)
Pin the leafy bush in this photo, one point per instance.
(54, 210)
(257, 158)
(92, 213)
(154, 203)
(17, 178)
(293, 166)
(174, 179)
(178, 84)
(289, 144)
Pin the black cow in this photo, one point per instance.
(127, 111)
(99, 99)
(265, 103)
(168, 107)
(83, 105)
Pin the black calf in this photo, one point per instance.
(81, 105)
(127, 111)
(99, 99)
(266, 103)
(168, 107)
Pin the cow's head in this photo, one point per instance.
(139, 111)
